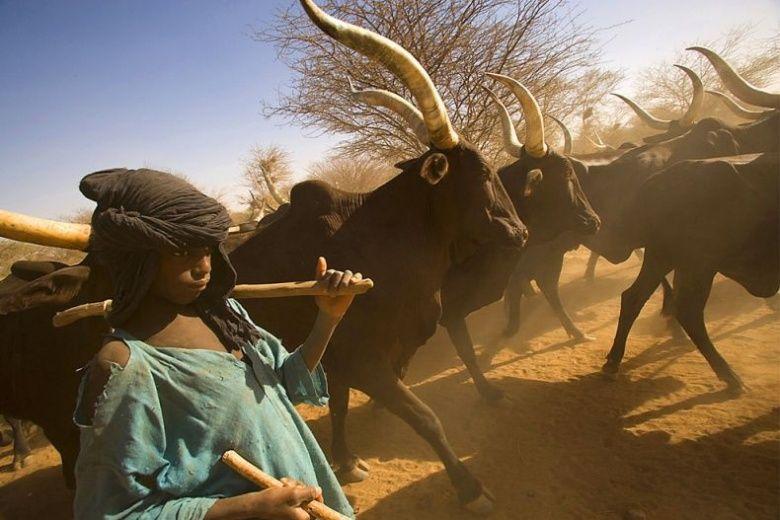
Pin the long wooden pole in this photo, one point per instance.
(254, 474)
(266, 290)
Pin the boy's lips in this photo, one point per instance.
(200, 285)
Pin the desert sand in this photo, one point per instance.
(663, 441)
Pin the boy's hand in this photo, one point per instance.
(334, 306)
(283, 503)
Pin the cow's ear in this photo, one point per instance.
(532, 180)
(56, 288)
(405, 164)
(434, 168)
(723, 142)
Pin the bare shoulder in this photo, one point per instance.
(113, 351)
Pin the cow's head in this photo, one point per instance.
(468, 197)
(466, 192)
(541, 183)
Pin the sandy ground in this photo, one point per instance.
(664, 440)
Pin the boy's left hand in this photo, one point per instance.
(334, 306)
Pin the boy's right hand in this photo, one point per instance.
(284, 503)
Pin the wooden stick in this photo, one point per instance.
(254, 474)
(264, 290)
(310, 288)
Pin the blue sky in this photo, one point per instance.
(88, 85)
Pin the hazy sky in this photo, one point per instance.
(177, 84)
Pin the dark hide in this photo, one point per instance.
(556, 205)
(700, 218)
(38, 364)
(608, 185)
(550, 203)
(405, 235)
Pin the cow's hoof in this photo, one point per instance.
(483, 505)
(735, 387)
(491, 394)
(610, 370)
(19, 464)
(582, 338)
(358, 472)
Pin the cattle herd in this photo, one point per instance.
(445, 237)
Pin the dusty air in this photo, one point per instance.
(390, 259)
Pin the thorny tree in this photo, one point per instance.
(540, 42)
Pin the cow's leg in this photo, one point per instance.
(460, 337)
(631, 302)
(528, 289)
(693, 290)
(514, 297)
(590, 270)
(548, 278)
(347, 466)
(5, 440)
(668, 307)
(21, 448)
(388, 389)
(66, 442)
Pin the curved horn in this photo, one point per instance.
(736, 84)
(394, 102)
(644, 115)
(534, 124)
(23, 228)
(400, 62)
(737, 109)
(567, 140)
(697, 101)
(512, 144)
(598, 146)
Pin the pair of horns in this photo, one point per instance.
(401, 63)
(738, 109)
(736, 84)
(690, 115)
(534, 144)
(534, 123)
(385, 98)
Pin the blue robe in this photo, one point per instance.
(153, 447)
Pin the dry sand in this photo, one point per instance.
(664, 440)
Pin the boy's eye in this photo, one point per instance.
(193, 252)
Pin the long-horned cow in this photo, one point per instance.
(700, 218)
(550, 204)
(405, 235)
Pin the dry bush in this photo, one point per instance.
(543, 43)
(357, 175)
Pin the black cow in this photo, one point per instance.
(608, 185)
(39, 365)
(551, 205)
(405, 235)
(700, 218)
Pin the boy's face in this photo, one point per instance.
(182, 274)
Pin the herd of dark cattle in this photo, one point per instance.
(447, 236)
